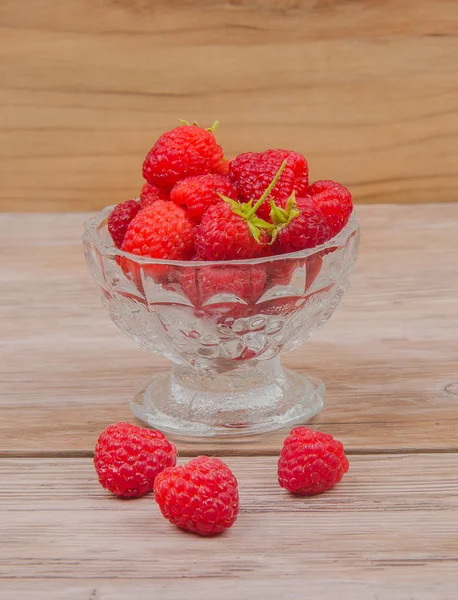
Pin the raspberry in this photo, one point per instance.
(301, 185)
(200, 496)
(208, 282)
(199, 192)
(225, 235)
(151, 193)
(295, 161)
(311, 462)
(230, 230)
(128, 458)
(161, 230)
(313, 265)
(300, 225)
(281, 271)
(266, 252)
(120, 219)
(334, 201)
(252, 172)
(182, 152)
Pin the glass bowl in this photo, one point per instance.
(223, 325)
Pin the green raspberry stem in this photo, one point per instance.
(213, 127)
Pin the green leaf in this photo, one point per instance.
(291, 203)
(293, 214)
(261, 223)
(236, 206)
(274, 234)
(278, 214)
(255, 232)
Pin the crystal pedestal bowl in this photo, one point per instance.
(223, 325)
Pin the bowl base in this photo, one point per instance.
(288, 399)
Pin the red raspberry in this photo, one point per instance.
(280, 271)
(311, 462)
(161, 230)
(182, 152)
(295, 161)
(301, 185)
(230, 230)
(120, 219)
(207, 282)
(266, 252)
(252, 173)
(298, 164)
(313, 265)
(128, 458)
(151, 193)
(199, 192)
(201, 496)
(300, 225)
(334, 201)
(226, 235)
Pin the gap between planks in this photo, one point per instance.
(5, 454)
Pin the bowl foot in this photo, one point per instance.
(180, 403)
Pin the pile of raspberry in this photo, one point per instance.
(202, 495)
(197, 205)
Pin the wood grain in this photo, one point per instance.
(367, 90)
(389, 528)
(388, 356)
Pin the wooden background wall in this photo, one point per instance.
(367, 89)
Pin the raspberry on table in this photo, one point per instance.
(300, 225)
(200, 496)
(311, 462)
(161, 230)
(151, 193)
(120, 219)
(198, 193)
(128, 459)
(334, 201)
(182, 152)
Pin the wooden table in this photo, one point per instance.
(389, 357)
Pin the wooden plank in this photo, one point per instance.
(431, 587)
(86, 89)
(389, 527)
(388, 355)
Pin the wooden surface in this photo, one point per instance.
(389, 358)
(366, 89)
(388, 531)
